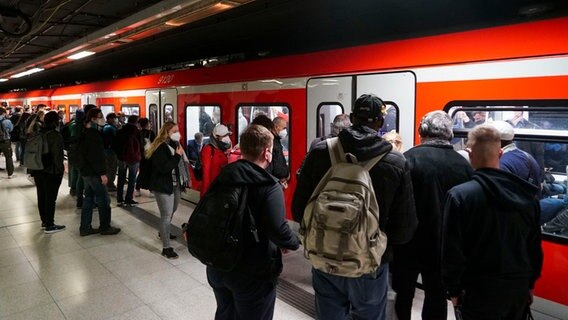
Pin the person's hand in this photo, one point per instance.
(284, 184)
(104, 180)
(462, 116)
(179, 150)
(531, 296)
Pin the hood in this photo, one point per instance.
(245, 172)
(363, 142)
(506, 188)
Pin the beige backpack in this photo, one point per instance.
(340, 229)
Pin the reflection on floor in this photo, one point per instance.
(65, 276)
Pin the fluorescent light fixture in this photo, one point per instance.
(3, 80)
(27, 72)
(81, 55)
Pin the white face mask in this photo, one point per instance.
(176, 136)
(100, 122)
(283, 134)
(226, 139)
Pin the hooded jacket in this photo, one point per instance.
(491, 231)
(92, 148)
(391, 182)
(266, 203)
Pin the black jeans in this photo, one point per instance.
(498, 299)
(242, 297)
(6, 149)
(47, 186)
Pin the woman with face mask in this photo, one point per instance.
(214, 155)
(169, 177)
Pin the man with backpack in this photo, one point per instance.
(109, 135)
(243, 261)
(352, 190)
(5, 144)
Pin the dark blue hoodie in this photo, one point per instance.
(491, 231)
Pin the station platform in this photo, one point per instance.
(65, 276)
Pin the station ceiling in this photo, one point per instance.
(248, 29)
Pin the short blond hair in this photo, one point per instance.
(254, 140)
(485, 141)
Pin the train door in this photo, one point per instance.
(88, 98)
(328, 97)
(161, 106)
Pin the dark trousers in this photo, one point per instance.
(94, 189)
(112, 165)
(404, 283)
(47, 187)
(132, 171)
(241, 297)
(6, 150)
(496, 300)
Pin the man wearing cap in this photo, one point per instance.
(214, 155)
(515, 160)
(364, 297)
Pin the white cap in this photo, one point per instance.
(221, 131)
(506, 130)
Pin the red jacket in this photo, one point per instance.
(212, 160)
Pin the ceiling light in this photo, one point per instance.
(27, 72)
(3, 80)
(81, 55)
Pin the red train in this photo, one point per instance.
(501, 71)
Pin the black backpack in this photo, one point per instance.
(218, 226)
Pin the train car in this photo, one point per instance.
(516, 72)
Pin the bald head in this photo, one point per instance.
(484, 147)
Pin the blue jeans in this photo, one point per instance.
(550, 208)
(242, 297)
(341, 298)
(94, 189)
(132, 171)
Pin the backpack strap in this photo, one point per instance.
(335, 150)
(369, 164)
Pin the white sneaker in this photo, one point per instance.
(11, 176)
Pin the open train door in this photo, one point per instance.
(330, 96)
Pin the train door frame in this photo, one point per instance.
(161, 99)
(88, 98)
(396, 88)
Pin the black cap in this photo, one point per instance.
(369, 108)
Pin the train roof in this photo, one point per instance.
(264, 28)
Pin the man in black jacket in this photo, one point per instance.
(92, 165)
(366, 297)
(435, 169)
(491, 246)
(249, 291)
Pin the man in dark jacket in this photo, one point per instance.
(366, 297)
(48, 180)
(249, 291)
(129, 155)
(435, 169)
(92, 166)
(491, 246)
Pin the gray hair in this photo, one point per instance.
(436, 125)
(340, 122)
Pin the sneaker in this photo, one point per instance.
(89, 232)
(109, 231)
(43, 225)
(172, 237)
(54, 228)
(11, 176)
(120, 204)
(131, 203)
(169, 253)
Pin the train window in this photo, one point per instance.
(130, 109)
(72, 110)
(327, 111)
(541, 129)
(168, 112)
(106, 109)
(153, 116)
(61, 107)
(247, 113)
(201, 119)
(391, 118)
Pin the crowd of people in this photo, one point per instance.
(470, 226)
